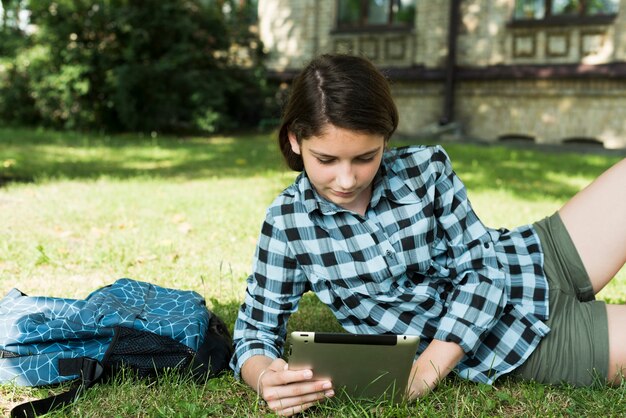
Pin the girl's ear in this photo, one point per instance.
(295, 146)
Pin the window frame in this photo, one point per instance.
(363, 26)
(549, 19)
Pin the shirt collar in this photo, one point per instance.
(392, 185)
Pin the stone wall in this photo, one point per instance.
(544, 105)
(547, 111)
(287, 30)
(420, 106)
(487, 37)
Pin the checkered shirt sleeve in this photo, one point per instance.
(272, 295)
(479, 295)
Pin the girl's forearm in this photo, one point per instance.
(252, 369)
(432, 366)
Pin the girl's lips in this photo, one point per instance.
(342, 194)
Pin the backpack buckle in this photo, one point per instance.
(88, 368)
(91, 371)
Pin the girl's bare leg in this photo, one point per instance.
(617, 342)
(596, 220)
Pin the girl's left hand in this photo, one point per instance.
(432, 366)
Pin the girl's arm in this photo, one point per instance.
(273, 293)
(432, 366)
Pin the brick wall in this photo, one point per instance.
(548, 108)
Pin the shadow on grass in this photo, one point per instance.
(532, 172)
(33, 155)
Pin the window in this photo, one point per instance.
(364, 14)
(564, 10)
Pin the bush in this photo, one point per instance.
(13, 39)
(124, 65)
(16, 102)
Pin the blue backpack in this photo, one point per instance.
(130, 324)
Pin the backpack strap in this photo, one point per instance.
(90, 371)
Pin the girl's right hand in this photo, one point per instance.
(289, 392)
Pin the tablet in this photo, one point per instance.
(359, 365)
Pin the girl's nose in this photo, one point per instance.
(346, 178)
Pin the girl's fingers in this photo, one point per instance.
(278, 374)
(285, 403)
(285, 377)
(280, 382)
(299, 388)
(290, 406)
(287, 412)
(289, 392)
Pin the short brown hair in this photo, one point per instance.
(346, 91)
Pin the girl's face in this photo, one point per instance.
(341, 164)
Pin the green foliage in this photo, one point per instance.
(122, 65)
(16, 102)
(12, 33)
(12, 40)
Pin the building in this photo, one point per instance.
(551, 71)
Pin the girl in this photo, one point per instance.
(389, 241)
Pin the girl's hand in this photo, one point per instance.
(289, 392)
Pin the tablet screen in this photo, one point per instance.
(359, 365)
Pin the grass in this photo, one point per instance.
(81, 210)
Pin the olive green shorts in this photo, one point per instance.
(576, 351)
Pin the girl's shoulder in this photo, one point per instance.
(417, 159)
(292, 200)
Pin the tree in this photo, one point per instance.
(12, 31)
(138, 65)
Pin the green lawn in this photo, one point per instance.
(78, 211)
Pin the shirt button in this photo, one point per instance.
(486, 245)
(389, 254)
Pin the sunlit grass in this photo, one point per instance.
(78, 211)
(97, 156)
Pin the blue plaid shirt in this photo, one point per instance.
(418, 262)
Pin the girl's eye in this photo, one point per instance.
(366, 159)
(323, 161)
